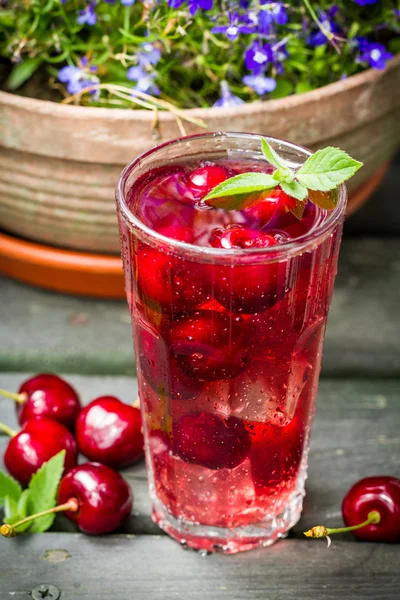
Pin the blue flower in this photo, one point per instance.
(260, 83)
(318, 38)
(365, 2)
(87, 16)
(227, 99)
(234, 27)
(273, 12)
(375, 55)
(193, 5)
(257, 56)
(149, 55)
(77, 78)
(280, 54)
(144, 80)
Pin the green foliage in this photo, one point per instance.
(194, 61)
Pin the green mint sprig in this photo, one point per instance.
(317, 179)
(40, 495)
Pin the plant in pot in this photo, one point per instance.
(86, 85)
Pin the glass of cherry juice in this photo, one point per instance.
(229, 310)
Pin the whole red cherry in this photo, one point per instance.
(159, 367)
(238, 236)
(208, 345)
(46, 395)
(169, 283)
(380, 494)
(105, 499)
(249, 288)
(371, 511)
(39, 440)
(274, 205)
(110, 432)
(207, 177)
(276, 452)
(206, 439)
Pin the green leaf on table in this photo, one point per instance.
(9, 487)
(295, 190)
(18, 512)
(22, 72)
(327, 169)
(43, 489)
(23, 506)
(10, 509)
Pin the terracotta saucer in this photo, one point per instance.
(61, 270)
(98, 275)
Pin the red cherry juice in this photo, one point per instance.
(228, 331)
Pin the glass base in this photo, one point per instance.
(205, 538)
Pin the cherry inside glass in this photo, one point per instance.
(229, 310)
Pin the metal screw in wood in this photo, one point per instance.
(51, 592)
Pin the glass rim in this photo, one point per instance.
(280, 252)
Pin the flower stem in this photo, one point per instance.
(328, 34)
(8, 531)
(8, 430)
(127, 18)
(20, 398)
(321, 531)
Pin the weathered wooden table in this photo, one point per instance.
(356, 434)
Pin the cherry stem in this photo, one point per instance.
(8, 430)
(9, 531)
(20, 398)
(321, 531)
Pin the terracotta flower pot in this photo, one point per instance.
(60, 163)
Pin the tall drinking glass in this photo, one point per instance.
(228, 340)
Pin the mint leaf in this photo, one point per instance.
(246, 183)
(298, 209)
(327, 169)
(325, 200)
(43, 489)
(239, 201)
(9, 487)
(295, 190)
(271, 156)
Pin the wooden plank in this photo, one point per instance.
(356, 433)
(93, 336)
(147, 567)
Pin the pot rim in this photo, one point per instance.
(115, 114)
